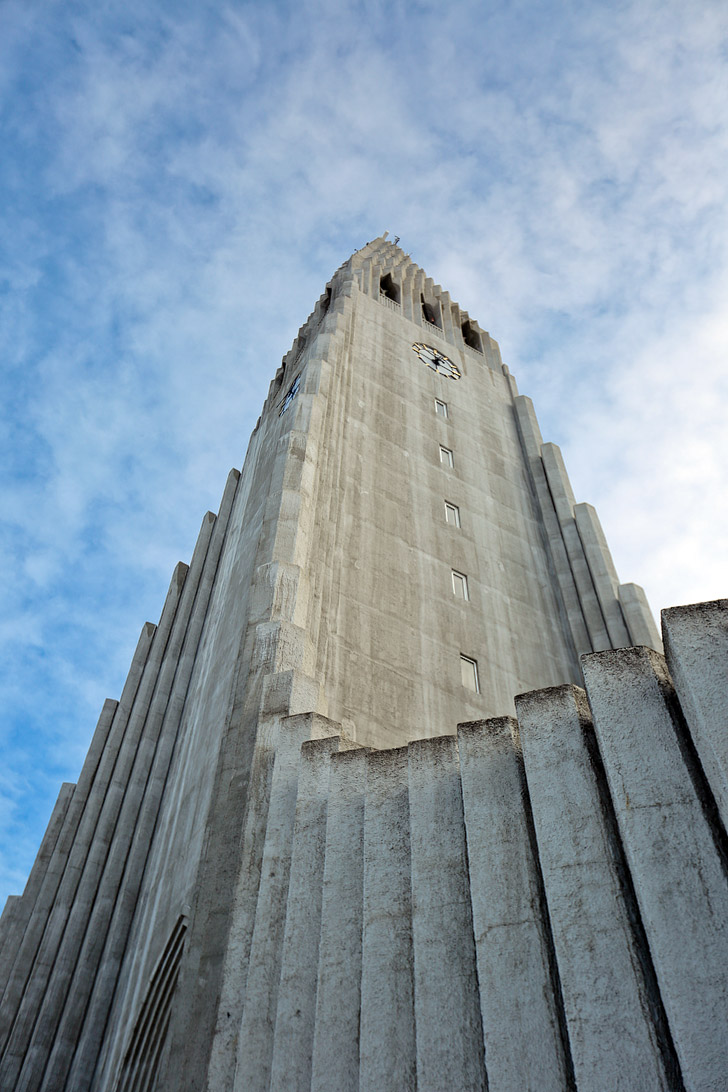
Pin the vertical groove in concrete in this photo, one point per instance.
(13, 931)
(296, 1007)
(255, 1038)
(36, 958)
(602, 571)
(447, 1002)
(523, 1039)
(531, 443)
(564, 504)
(605, 996)
(696, 647)
(43, 1005)
(335, 1064)
(84, 1043)
(387, 1057)
(679, 876)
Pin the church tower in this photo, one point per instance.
(244, 891)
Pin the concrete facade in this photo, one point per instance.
(284, 866)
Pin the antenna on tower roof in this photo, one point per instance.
(396, 239)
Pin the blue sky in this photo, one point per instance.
(179, 181)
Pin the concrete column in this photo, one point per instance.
(603, 572)
(255, 1039)
(335, 1065)
(296, 1010)
(86, 937)
(679, 875)
(7, 919)
(221, 1066)
(696, 647)
(15, 926)
(86, 1044)
(638, 617)
(447, 1004)
(564, 504)
(531, 443)
(89, 841)
(601, 957)
(523, 1026)
(387, 1031)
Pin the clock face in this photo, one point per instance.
(436, 360)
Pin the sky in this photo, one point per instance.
(179, 180)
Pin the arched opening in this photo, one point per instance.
(388, 288)
(431, 313)
(471, 337)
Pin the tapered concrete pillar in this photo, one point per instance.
(255, 1040)
(603, 572)
(335, 1065)
(77, 892)
(696, 647)
(447, 1004)
(526, 1047)
(296, 1009)
(607, 995)
(564, 503)
(676, 860)
(532, 442)
(14, 926)
(387, 1051)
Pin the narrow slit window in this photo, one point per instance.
(469, 674)
(445, 456)
(460, 585)
(452, 514)
(440, 408)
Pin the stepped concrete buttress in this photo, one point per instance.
(390, 801)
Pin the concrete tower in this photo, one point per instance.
(280, 867)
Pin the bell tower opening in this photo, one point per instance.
(389, 289)
(471, 336)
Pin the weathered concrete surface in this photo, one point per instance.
(677, 868)
(606, 998)
(447, 1004)
(696, 648)
(525, 1043)
(335, 1064)
(387, 1051)
(296, 1009)
(255, 1040)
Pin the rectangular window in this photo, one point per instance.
(445, 456)
(440, 408)
(460, 585)
(469, 674)
(452, 514)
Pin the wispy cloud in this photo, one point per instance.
(180, 181)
